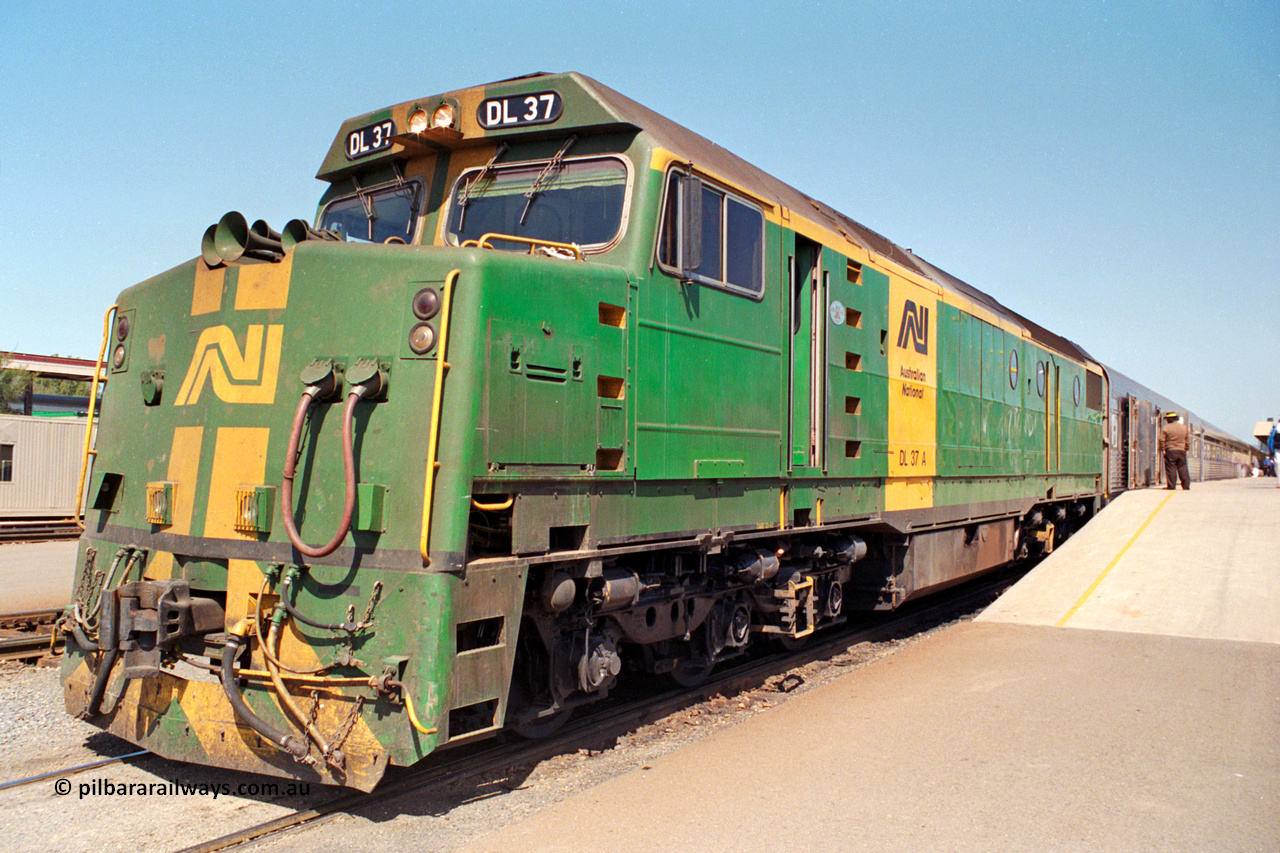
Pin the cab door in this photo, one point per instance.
(806, 356)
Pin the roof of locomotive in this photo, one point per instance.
(602, 108)
(707, 155)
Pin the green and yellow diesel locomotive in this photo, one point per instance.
(551, 391)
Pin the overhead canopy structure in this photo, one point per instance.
(51, 366)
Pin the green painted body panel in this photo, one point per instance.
(999, 439)
(857, 441)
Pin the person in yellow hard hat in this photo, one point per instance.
(1174, 440)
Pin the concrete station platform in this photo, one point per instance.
(1124, 696)
(36, 575)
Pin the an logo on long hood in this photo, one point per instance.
(247, 376)
(914, 329)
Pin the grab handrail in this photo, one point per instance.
(88, 429)
(437, 398)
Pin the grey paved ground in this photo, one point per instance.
(1150, 721)
(36, 576)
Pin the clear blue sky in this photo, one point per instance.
(1109, 169)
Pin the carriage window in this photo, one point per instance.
(732, 240)
(575, 201)
(6, 463)
(376, 215)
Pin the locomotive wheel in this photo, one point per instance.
(530, 689)
(689, 674)
(794, 644)
(541, 727)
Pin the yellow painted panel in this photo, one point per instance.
(239, 459)
(244, 582)
(159, 566)
(913, 394)
(262, 287)
(206, 295)
(211, 717)
(910, 493)
(184, 469)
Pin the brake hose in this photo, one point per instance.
(309, 396)
(100, 679)
(280, 739)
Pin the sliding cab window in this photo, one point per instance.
(379, 214)
(711, 236)
(582, 202)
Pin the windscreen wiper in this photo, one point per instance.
(553, 165)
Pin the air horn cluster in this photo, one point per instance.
(233, 239)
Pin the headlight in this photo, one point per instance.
(443, 116)
(417, 121)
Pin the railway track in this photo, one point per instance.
(38, 529)
(71, 771)
(498, 755)
(26, 636)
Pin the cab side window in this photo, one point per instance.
(711, 236)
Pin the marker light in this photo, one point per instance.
(254, 507)
(426, 303)
(160, 503)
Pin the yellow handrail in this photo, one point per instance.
(531, 242)
(436, 399)
(88, 429)
(496, 507)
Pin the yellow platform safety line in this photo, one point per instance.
(436, 399)
(1097, 581)
(88, 427)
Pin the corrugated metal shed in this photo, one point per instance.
(45, 458)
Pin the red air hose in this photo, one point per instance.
(348, 470)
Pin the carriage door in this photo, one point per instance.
(805, 310)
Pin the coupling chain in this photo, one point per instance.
(313, 716)
(347, 726)
(374, 598)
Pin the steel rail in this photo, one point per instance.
(20, 619)
(71, 771)
(17, 530)
(25, 647)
